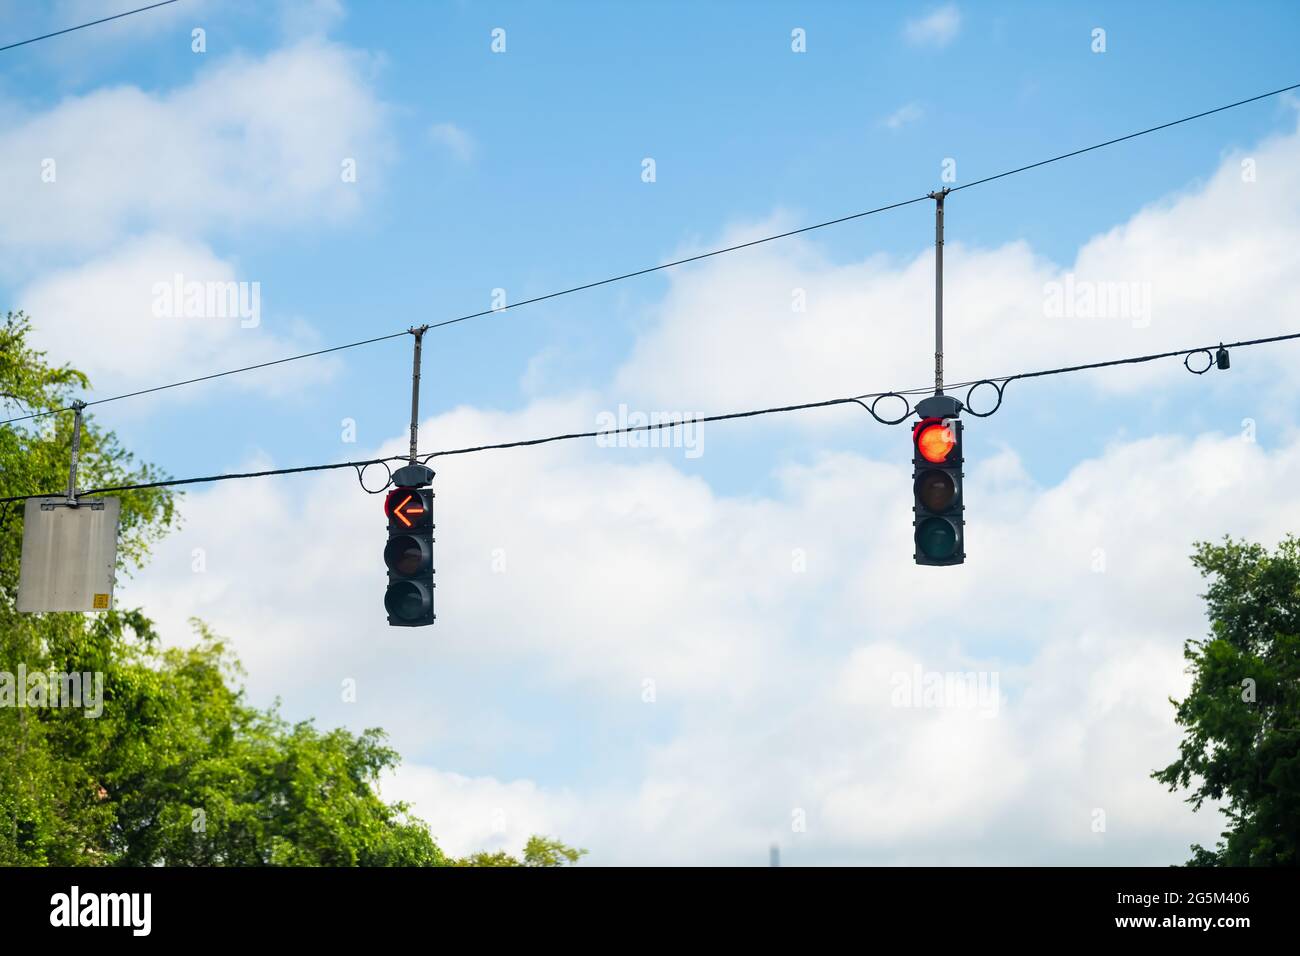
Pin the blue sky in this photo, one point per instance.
(522, 170)
(739, 126)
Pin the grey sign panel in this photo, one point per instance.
(69, 555)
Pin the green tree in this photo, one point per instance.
(1242, 716)
(50, 811)
(178, 769)
(538, 851)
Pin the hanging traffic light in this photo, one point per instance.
(937, 484)
(409, 553)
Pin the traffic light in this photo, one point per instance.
(936, 486)
(409, 553)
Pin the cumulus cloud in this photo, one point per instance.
(772, 631)
(937, 28)
(454, 140)
(904, 115)
(116, 193)
(636, 661)
(249, 142)
(1212, 263)
(166, 303)
(301, 18)
(67, 13)
(740, 652)
(469, 814)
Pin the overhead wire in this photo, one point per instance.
(82, 26)
(207, 378)
(672, 423)
(1121, 139)
(666, 265)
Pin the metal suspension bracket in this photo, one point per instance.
(414, 474)
(938, 196)
(418, 332)
(77, 407)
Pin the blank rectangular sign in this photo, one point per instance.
(69, 555)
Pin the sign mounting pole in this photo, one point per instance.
(77, 407)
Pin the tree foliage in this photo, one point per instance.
(538, 851)
(1242, 716)
(178, 769)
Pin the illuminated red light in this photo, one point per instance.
(935, 442)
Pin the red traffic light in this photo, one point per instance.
(935, 440)
(405, 506)
(409, 552)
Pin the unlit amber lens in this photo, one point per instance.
(936, 490)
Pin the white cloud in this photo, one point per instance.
(1214, 263)
(905, 114)
(772, 684)
(470, 814)
(250, 142)
(139, 182)
(305, 18)
(68, 13)
(454, 140)
(116, 316)
(938, 28)
(773, 687)
(115, 39)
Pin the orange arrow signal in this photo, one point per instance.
(401, 511)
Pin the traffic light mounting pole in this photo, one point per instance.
(418, 332)
(937, 196)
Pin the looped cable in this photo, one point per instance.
(361, 477)
(996, 387)
(1209, 361)
(871, 409)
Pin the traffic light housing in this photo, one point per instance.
(409, 552)
(938, 503)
